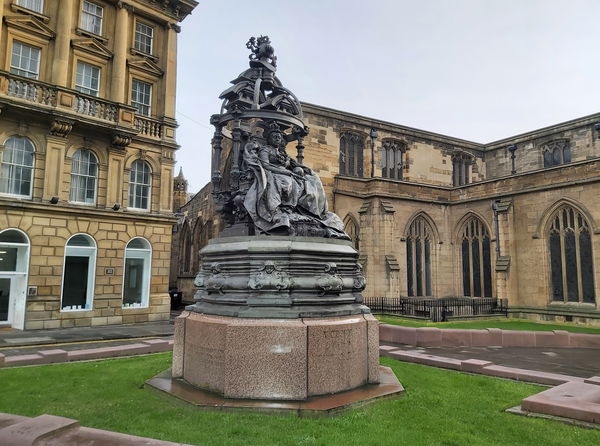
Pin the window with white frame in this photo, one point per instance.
(16, 167)
(91, 17)
(25, 60)
(141, 96)
(84, 175)
(136, 276)
(143, 37)
(88, 79)
(14, 262)
(79, 273)
(139, 185)
(33, 5)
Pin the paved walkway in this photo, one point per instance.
(582, 362)
(13, 341)
(568, 361)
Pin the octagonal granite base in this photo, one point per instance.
(323, 405)
(276, 359)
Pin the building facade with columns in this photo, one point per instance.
(436, 216)
(87, 144)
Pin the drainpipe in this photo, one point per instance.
(496, 227)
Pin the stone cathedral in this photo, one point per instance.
(437, 216)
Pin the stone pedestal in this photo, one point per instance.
(276, 359)
(277, 319)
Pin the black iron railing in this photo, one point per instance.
(438, 310)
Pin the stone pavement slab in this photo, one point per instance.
(581, 362)
(17, 338)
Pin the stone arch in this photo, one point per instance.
(421, 237)
(185, 247)
(545, 219)
(569, 250)
(197, 235)
(473, 239)
(153, 163)
(101, 155)
(352, 229)
(428, 219)
(458, 227)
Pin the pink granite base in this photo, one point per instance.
(276, 359)
(574, 400)
(321, 405)
(49, 430)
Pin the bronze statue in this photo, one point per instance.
(285, 197)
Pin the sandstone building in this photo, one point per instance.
(439, 216)
(87, 143)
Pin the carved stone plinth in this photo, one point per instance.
(279, 277)
(277, 318)
(276, 359)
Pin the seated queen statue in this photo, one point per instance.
(285, 197)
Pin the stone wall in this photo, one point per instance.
(581, 134)
(384, 208)
(48, 233)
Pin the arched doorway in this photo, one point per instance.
(14, 266)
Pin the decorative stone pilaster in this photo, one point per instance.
(60, 62)
(119, 71)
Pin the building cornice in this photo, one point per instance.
(495, 145)
(87, 212)
(388, 126)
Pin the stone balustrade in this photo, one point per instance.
(25, 92)
(149, 127)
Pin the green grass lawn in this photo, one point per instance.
(440, 407)
(505, 324)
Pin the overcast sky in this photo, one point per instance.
(480, 70)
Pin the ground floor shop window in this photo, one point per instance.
(136, 280)
(79, 273)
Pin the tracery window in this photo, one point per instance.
(476, 259)
(84, 176)
(351, 154)
(556, 153)
(16, 167)
(419, 257)
(186, 248)
(352, 229)
(392, 159)
(460, 169)
(571, 264)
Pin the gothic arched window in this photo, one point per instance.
(186, 248)
(351, 155)
(392, 159)
(476, 259)
(570, 250)
(418, 257)
(351, 228)
(556, 153)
